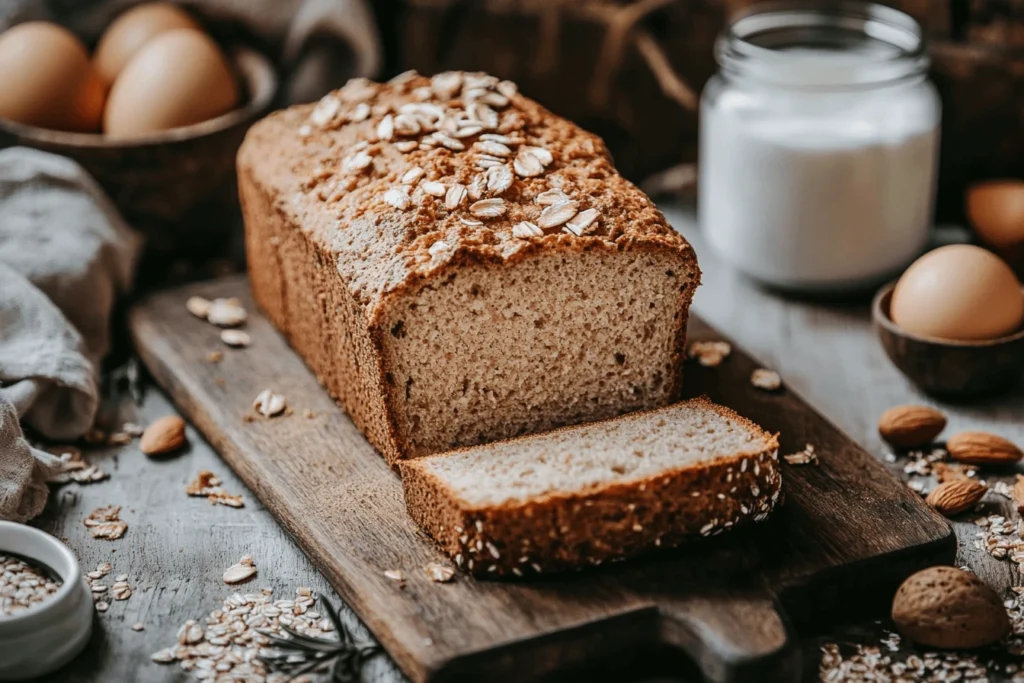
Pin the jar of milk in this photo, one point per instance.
(819, 145)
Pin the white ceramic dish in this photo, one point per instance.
(44, 638)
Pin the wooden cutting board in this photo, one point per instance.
(847, 535)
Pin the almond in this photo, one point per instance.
(163, 436)
(911, 426)
(982, 448)
(953, 497)
(946, 607)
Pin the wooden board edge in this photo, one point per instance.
(417, 667)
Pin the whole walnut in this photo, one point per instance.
(946, 607)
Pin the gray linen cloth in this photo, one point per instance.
(65, 256)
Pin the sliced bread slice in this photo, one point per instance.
(602, 491)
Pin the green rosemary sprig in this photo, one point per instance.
(300, 654)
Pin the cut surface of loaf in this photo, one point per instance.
(583, 495)
(458, 265)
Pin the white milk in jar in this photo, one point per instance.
(818, 145)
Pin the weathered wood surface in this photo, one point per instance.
(176, 548)
(336, 496)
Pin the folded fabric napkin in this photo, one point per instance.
(65, 256)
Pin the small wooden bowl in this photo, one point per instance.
(949, 368)
(177, 187)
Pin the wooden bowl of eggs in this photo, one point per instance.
(156, 115)
(954, 322)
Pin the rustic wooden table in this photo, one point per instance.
(176, 549)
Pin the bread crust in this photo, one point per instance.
(564, 531)
(326, 265)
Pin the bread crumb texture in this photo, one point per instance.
(459, 265)
(588, 494)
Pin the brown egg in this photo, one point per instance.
(48, 80)
(132, 30)
(959, 292)
(179, 78)
(996, 210)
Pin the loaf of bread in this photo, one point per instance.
(583, 495)
(458, 265)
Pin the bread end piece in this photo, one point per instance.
(564, 530)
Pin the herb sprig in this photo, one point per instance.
(299, 654)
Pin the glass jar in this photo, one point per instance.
(819, 145)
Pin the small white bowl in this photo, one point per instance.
(49, 635)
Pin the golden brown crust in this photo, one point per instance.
(380, 249)
(570, 531)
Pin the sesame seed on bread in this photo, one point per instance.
(587, 494)
(459, 265)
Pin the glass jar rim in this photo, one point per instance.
(762, 44)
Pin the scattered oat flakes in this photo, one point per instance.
(386, 128)
(542, 154)
(488, 208)
(23, 585)
(551, 197)
(105, 523)
(137, 626)
(710, 354)
(190, 633)
(204, 483)
(557, 214)
(234, 634)
(269, 404)
(526, 229)
(198, 306)
(119, 439)
(527, 165)
(226, 312)
(765, 379)
(226, 499)
(102, 606)
(121, 590)
(398, 197)
(241, 572)
(413, 175)
(394, 575)
(805, 457)
(434, 188)
(439, 572)
(499, 179)
(132, 429)
(235, 338)
(85, 474)
(581, 221)
(455, 196)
